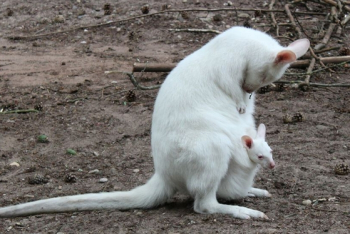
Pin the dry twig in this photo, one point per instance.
(345, 20)
(315, 71)
(326, 37)
(195, 30)
(291, 18)
(19, 111)
(309, 71)
(327, 49)
(334, 3)
(302, 83)
(137, 85)
(272, 15)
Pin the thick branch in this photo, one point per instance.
(167, 67)
(195, 30)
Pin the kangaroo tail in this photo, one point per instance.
(153, 193)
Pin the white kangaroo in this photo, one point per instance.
(204, 141)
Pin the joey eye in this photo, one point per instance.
(260, 157)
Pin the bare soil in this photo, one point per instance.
(84, 109)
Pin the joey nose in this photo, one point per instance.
(272, 165)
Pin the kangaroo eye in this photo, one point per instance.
(260, 157)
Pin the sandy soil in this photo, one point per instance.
(84, 109)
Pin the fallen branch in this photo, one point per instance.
(195, 30)
(309, 71)
(345, 20)
(167, 67)
(345, 2)
(19, 111)
(291, 18)
(137, 85)
(334, 3)
(326, 37)
(272, 15)
(315, 71)
(34, 37)
(334, 14)
(327, 49)
(301, 83)
(313, 54)
(278, 24)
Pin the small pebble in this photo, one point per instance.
(96, 171)
(287, 119)
(322, 127)
(96, 154)
(16, 164)
(59, 19)
(307, 202)
(81, 12)
(145, 9)
(103, 180)
(136, 170)
(217, 18)
(243, 15)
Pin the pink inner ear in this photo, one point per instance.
(285, 56)
(248, 141)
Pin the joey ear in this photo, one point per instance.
(262, 131)
(299, 47)
(247, 141)
(285, 56)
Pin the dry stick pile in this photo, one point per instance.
(336, 9)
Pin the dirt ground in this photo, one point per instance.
(84, 109)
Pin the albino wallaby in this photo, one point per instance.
(202, 130)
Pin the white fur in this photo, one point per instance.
(201, 112)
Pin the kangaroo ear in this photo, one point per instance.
(247, 141)
(285, 56)
(299, 47)
(262, 131)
